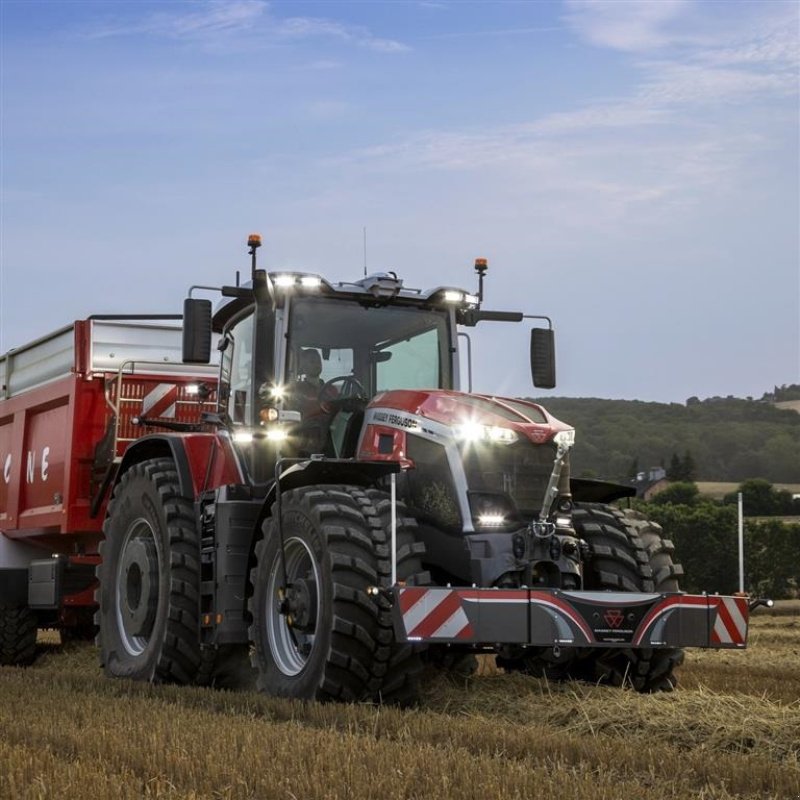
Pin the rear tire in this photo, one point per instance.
(18, 625)
(149, 579)
(328, 638)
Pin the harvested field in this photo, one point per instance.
(732, 731)
(718, 489)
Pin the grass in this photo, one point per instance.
(732, 731)
(718, 489)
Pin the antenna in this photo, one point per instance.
(365, 251)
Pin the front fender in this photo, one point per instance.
(329, 471)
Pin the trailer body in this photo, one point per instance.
(69, 403)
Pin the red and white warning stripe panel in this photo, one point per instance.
(730, 626)
(160, 401)
(433, 614)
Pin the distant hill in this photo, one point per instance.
(729, 439)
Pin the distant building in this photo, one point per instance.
(650, 483)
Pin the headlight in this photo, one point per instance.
(565, 438)
(284, 281)
(276, 434)
(491, 520)
(475, 432)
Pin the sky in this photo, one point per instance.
(628, 168)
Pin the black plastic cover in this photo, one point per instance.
(543, 358)
(196, 331)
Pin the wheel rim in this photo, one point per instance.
(291, 647)
(137, 586)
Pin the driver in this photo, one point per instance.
(304, 391)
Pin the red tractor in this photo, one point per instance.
(343, 512)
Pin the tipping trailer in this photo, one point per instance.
(327, 508)
(69, 407)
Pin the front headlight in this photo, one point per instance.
(475, 432)
(565, 438)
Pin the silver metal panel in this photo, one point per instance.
(115, 342)
(40, 362)
(15, 554)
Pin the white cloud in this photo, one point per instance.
(305, 27)
(211, 19)
(687, 131)
(633, 26)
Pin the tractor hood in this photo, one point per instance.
(458, 409)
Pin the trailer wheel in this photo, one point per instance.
(149, 579)
(401, 683)
(324, 636)
(18, 626)
(628, 553)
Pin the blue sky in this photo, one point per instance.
(629, 168)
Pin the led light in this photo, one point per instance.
(501, 435)
(310, 282)
(243, 437)
(285, 281)
(452, 296)
(565, 438)
(475, 432)
(192, 388)
(563, 522)
(469, 431)
(491, 520)
(276, 434)
(471, 299)
(278, 392)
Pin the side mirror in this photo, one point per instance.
(543, 358)
(196, 331)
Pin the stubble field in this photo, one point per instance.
(731, 731)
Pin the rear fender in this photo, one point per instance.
(203, 460)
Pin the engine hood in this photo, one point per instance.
(527, 419)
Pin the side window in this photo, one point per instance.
(410, 364)
(238, 355)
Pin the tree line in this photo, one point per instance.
(705, 535)
(723, 439)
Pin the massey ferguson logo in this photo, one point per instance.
(613, 617)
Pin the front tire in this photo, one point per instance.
(628, 553)
(325, 636)
(149, 579)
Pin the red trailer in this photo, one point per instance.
(70, 404)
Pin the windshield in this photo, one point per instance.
(385, 347)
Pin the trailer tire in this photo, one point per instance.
(401, 684)
(18, 625)
(628, 553)
(338, 643)
(149, 579)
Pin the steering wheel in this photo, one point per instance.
(352, 392)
